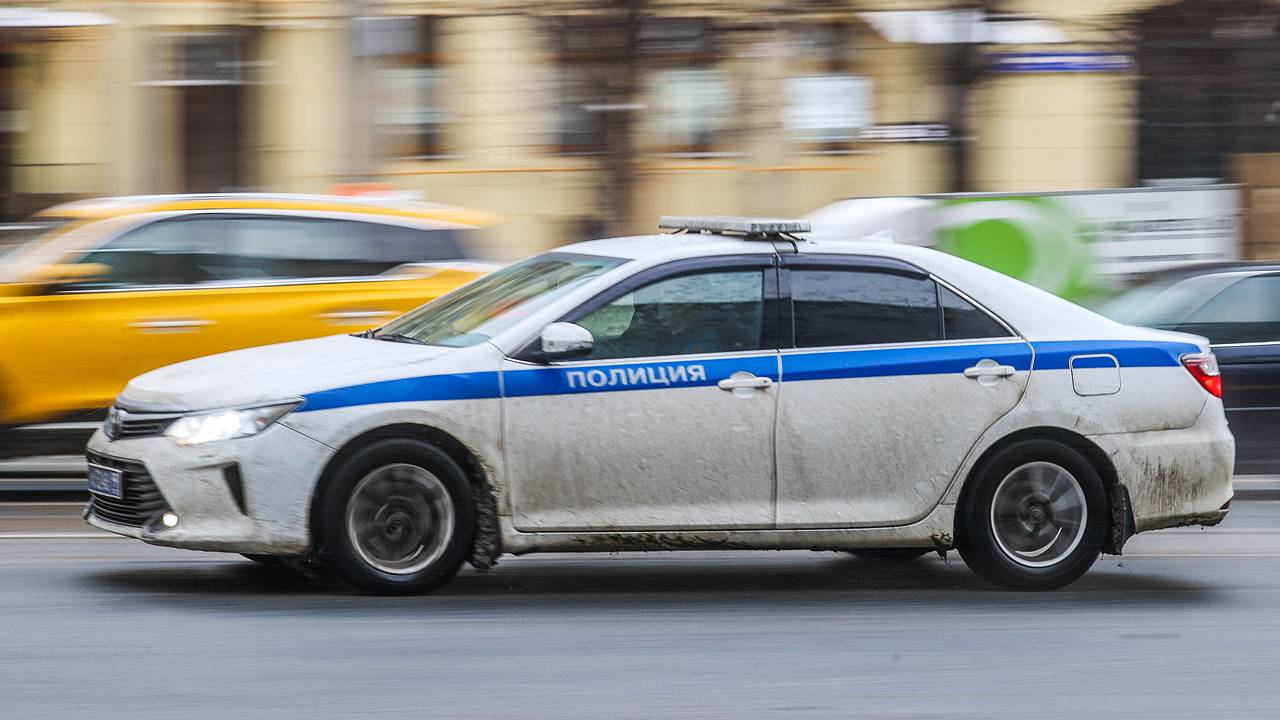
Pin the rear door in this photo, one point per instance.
(892, 379)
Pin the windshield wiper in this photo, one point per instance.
(397, 337)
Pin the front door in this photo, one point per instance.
(669, 424)
(893, 379)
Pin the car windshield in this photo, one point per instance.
(1164, 302)
(476, 312)
(14, 238)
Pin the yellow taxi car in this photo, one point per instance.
(95, 292)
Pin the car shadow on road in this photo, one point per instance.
(660, 579)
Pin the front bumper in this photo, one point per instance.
(249, 495)
(1176, 477)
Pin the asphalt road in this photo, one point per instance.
(1186, 624)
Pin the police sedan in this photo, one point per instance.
(728, 385)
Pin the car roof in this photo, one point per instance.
(672, 246)
(101, 208)
(1034, 313)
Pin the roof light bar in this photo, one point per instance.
(729, 224)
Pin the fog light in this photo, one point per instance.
(169, 519)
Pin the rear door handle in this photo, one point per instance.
(989, 369)
(345, 317)
(189, 324)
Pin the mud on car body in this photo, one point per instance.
(728, 385)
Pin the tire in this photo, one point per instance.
(890, 555)
(1033, 517)
(397, 518)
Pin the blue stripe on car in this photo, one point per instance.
(820, 365)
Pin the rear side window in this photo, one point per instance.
(963, 321)
(835, 307)
(1246, 311)
(400, 245)
(862, 307)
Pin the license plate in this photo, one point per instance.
(106, 481)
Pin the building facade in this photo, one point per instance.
(572, 117)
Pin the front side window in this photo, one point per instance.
(480, 310)
(862, 307)
(165, 253)
(689, 314)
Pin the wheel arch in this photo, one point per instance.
(1120, 523)
(488, 542)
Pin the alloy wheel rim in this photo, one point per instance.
(400, 518)
(1038, 514)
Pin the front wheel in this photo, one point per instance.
(1035, 517)
(398, 519)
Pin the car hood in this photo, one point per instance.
(274, 372)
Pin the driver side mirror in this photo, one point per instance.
(566, 341)
(56, 275)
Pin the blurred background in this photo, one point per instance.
(571, 118)
(1083, 147)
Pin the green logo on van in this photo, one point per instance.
(1033, 239)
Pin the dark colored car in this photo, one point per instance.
(1236, 306)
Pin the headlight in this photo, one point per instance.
(228, 424)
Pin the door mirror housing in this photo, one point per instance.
(53, 276)
(566, 341)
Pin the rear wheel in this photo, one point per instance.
(1034, 518)
(398, 519)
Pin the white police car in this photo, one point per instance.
(727, 386)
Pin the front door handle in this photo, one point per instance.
(989, 369)
(745, 382)
(170, 325)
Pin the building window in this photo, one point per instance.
(692, 109)
(692, 101)
(409, 111)
(590, 76)
(826, 103)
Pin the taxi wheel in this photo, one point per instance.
(1033, 518)
(888, 555)
(397, 519)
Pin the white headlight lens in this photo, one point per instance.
(226, 424)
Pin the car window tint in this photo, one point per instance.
(168, 252)
(399, 244)
(862, 307)
(285, 248)
(702, 313)
(962, 320)
(1248, 310)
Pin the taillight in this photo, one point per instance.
(1204, 368)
